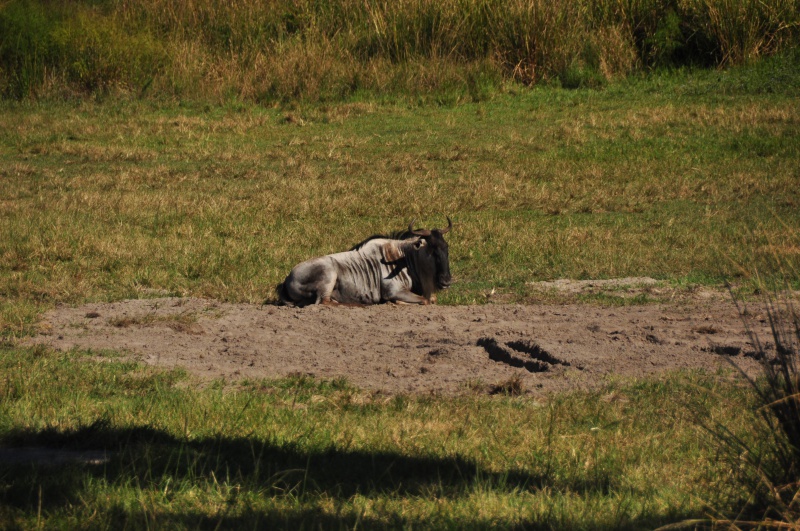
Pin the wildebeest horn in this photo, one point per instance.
(423, 233)
(449, 226)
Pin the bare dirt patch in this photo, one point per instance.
(406, 349)
(581, 286)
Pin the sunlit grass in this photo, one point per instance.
(667, 179)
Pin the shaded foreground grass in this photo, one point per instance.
(677, 177)
(300, 452)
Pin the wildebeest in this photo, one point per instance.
(409, 269)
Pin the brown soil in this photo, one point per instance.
(407, 349)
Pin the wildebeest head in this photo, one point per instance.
(435, 247)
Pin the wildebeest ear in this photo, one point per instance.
(420, 243)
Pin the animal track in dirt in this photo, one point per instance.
(536, 352)
(733, 351)
(538, 359)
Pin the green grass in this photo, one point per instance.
(304, 453)
(681, 177)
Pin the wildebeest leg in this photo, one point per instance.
(293, 291)
(409, 298)
(325, 286)
(310, 282)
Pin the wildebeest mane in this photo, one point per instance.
(397, 235)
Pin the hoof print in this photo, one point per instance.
(534, 358)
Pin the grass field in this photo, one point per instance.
(304, 454)
(680, 177)
(686, 176)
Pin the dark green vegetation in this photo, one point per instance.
(302, 453)
(328, 51)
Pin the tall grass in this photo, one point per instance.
(279, 50)
(762, 487)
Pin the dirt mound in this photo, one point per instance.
(406, 349)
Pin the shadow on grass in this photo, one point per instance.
(154, 460)
(315, 518)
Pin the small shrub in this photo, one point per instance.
(96, 53)
(25, 47)
(667, 39)
(578, 75)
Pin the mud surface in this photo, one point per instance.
(406, 349)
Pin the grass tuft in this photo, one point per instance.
(767, 463)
